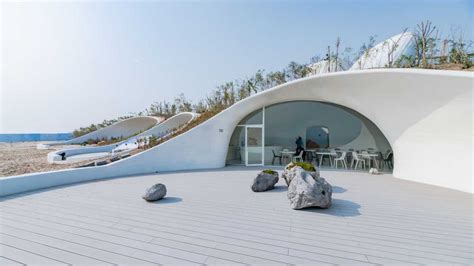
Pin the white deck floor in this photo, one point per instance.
(212, 217)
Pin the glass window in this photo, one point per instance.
(255, 118)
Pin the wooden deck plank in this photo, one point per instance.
(26, 257)
(9, 262)
(212, 217)
(47, 251)
(434, 252)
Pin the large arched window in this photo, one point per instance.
(261, 137)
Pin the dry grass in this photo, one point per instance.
(458, 67)
(199, 120)
(23, 158)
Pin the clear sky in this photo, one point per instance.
(65, 65)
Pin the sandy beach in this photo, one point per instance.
(22, 158)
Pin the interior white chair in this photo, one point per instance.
(285, 156)
(298, 157)
(357, 160)
(333, 156)
(342, 159)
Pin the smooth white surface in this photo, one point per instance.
(212, 217)
(394, 47)
(426, 116)
(158, 130)
(123, 128)
(87, 156)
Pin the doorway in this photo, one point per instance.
(253, 145)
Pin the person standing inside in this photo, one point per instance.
(299, 147)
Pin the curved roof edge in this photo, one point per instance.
(152, 121)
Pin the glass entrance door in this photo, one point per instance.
(254, 145)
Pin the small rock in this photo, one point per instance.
(264, 181)
(156, 192)
(373, 171)
(306, 190)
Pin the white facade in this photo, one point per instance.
(387, 52)
(426, 116)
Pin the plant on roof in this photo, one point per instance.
(306, 166)
(270, 172)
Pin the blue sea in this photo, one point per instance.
(35, 137)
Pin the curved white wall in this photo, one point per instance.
(426, 116)
(369, 137)
(158, 130)
(378, 56)
(123, 128)
(54, 156)
(169, 124)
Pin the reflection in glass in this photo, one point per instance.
(255, 118)
(254, 145)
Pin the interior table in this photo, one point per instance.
(371, 157)
(288, 155)
(325, 153)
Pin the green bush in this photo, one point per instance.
(306, 166)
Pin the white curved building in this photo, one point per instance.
(387, 52)
(121, 129)
(424, 116)
(73, 155)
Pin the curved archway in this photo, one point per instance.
(284, 122)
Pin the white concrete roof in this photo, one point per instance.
(123, 128)
(159, 130)
(377, 56)
(213, 217)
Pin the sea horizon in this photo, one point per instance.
(29, 137)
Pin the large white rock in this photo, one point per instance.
(306, 190)
(291, 170)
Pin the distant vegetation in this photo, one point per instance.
(432, 51)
